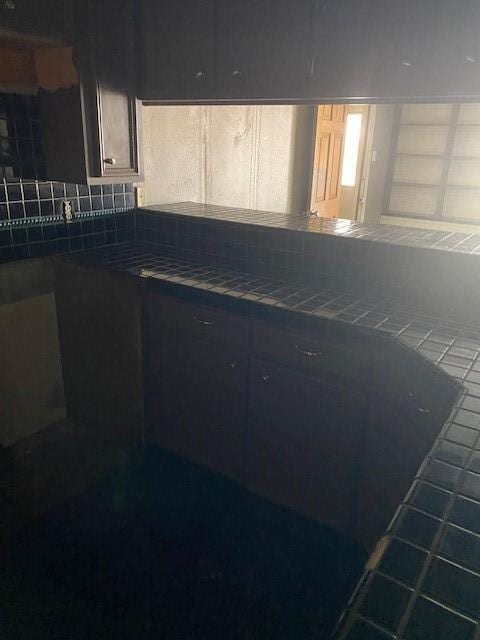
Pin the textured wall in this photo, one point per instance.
(245, 156)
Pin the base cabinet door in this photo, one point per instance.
(394, 449)
(303, 443)
(198, 400)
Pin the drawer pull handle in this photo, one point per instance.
(309, 354)
(206, 323)
(423, 410)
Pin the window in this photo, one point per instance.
(434, 170)
(350, 151)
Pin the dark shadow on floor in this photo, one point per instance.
(161, 548)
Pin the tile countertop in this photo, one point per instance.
(388, 234)
(425, 580)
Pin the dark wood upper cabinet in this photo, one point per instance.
(319, 50)
(239, 49)
(92, 131)
(177, 41)
(343, 49)
(404, 39)
(407, 50)
(263, 48)
(373, 49)
(41, 20)
(428, 49)
(455, 53)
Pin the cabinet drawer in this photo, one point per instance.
(304, 350)
(208, 323)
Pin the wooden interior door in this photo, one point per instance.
(329, 138)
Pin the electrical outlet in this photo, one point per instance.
(68, 211)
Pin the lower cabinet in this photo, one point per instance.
(197, 396)
(285, 431)
(304, 439)
(394, 449)
(307, 422)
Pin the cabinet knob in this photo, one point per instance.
(233, 365)
(470, 59)
(236, 73)
(406, 63)
(9, 5)
(200, 75)
(110, 161)
(265, 378)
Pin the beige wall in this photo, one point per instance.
(382, 135)
(246, 156)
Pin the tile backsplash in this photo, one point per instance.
(31, 222)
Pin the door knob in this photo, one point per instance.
(110, 161)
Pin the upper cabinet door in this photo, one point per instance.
(404, 41)
(177, 40)
(455, 62)
(344, 49)
(396, 50)
(428, 49)
(91, 132)
(263, 48)
(40, 19)
(116, 150)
